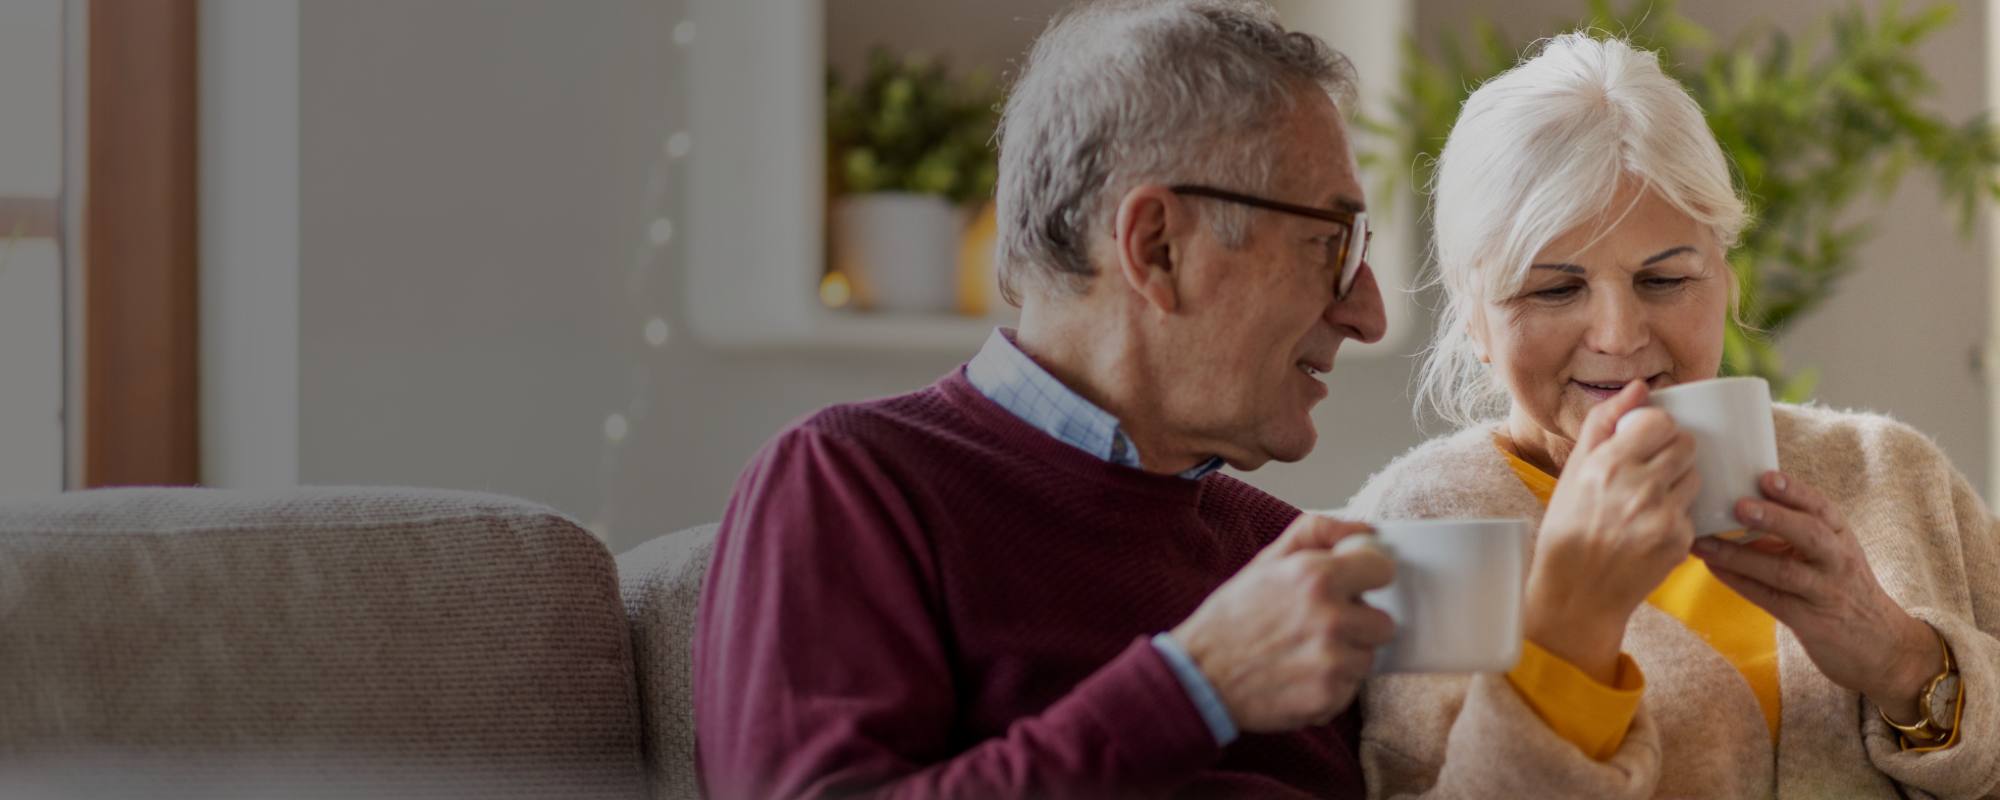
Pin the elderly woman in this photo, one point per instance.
(1583, 212)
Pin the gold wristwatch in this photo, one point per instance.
(1942, 702)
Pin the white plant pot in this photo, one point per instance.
(899, 250)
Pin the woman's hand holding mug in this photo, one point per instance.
(1814, 578)
(1616, 527)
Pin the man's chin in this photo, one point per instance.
(1293, 447)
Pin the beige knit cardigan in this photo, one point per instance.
(1699, 732)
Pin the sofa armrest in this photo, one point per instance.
(661, 582)
(466, 642)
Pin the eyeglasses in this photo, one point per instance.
(1340, 250)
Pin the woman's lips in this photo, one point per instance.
(1605, 390)
(1594, 391)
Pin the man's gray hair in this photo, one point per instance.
(1116, 93)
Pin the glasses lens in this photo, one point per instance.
(1353, 250)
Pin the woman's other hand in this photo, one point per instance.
(1818, 583)
(1615, 528)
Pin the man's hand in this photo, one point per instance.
(1287, 640)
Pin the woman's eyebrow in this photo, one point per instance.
(1667, 254)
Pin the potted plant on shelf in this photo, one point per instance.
(909, 155)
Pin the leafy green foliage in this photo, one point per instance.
(1810, 126)
(911, 127)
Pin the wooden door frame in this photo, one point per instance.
(141, 325)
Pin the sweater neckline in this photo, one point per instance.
(1540, 483)
(1014, 432)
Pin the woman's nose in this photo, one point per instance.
(1618, 324)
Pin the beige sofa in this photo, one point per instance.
(338, 643)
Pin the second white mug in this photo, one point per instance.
(1456, 598)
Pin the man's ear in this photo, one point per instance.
(1147, 234)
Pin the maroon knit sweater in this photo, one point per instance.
(924, 596)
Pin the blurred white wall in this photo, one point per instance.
(476, 184)
(1992, 250)
(249, 273)
(33, 145)
(478, 181)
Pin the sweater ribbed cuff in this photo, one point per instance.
(1203, 693)
(1970, 768)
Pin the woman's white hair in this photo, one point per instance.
(1121, 92)
(1537, 152)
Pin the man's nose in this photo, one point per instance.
(1360, 315)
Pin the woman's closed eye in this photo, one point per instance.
(1664, 283)
(1651, 284)
(1555, 293)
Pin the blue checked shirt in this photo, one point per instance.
(1011, 379)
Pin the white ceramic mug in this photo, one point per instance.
(1456, 598)
(1734, 444)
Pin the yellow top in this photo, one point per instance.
(1595, 717)
(1591, 715)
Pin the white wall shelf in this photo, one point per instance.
(756, 206)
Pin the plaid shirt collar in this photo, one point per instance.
(1010, 378)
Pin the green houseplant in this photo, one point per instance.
(1810, 127)
(909, 150)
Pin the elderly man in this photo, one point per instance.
(1027, 578)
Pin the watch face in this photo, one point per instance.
(1943, 700)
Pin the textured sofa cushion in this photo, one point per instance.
(661, 581)
(449, 643)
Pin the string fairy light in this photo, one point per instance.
(650, 257)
